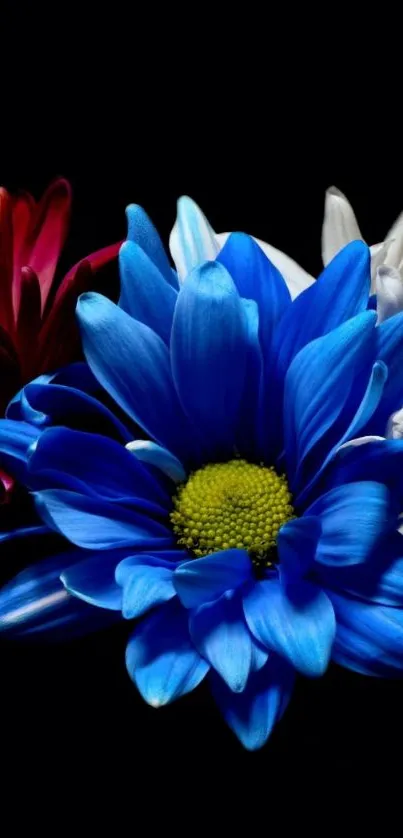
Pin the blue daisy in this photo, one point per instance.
(254, 533)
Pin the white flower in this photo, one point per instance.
(340, 227)
(193, 240)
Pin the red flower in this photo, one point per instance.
(37, 316)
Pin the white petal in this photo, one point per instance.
(394, 428)
(159, 457)
(395, 253)
(296, 278)
(360, 440)
(339, 224)
(378, 258)
(192, 239)
(389, 292)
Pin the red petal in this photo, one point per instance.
(23, 209)
(59, 338)
(97, 260)
(49, 233)
(7, 484)
(29, 322)
(6, 262)
(10, 374)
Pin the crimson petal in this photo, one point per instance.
(48, 233)
(28, 322)
(59, 334)
(10, 375)
(23, 209)
(7, 484)
(6, 262)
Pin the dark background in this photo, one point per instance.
(258, 162)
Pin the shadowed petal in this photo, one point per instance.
(354, 517)
(252, 714)
(209, 346)
(161, 659)
(297, 622)
(95, 524)
(133, 365)
(197, 582)
(220, 634)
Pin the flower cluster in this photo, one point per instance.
(37, 327)
(224, 470)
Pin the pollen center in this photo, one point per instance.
(234, 504)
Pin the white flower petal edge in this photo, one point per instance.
(379, 253)
(395, 251)
(193, 240)
(339, 224)
(394, 428)
(389, 292)
(340, 227)
(360, 440)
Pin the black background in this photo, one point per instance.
(255, 162)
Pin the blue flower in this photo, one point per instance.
(193, 241)
(258, 524)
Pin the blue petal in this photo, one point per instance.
(76, 376)
(202, 580)
(162, 459)
(297, 623)
(369, 638)
(252, 714)
(161, 659)
(142, 231)
(16, 439)
(102, 466)
(15, 409)
(366, 408)
(133, 365)
(20, 408)
(219, 633)
(340, 293)
(93, 580)
(249, 431)
(145, 293)
(209, 345)
(166, 558)
(36, 603)
(147, 586)
(24, 532)
(192, 240)
(389, 348)
(378, 459)
(259, 655)
(380, 579)
(256, 278)
(353, 517)
(95, 524)
(296, 546)
(370, 401)
(317, 390)
(45, 404)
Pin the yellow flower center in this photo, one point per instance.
(234, 504)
